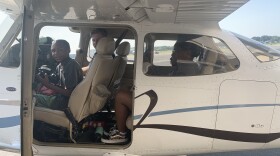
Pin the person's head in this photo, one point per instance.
(96, 35)
(44, 52)
(60, 50)
(183, 51)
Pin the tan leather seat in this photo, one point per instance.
(91, 94)
(120, 62)
(146, 66)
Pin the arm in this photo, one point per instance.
(73, 76)
(45, 82)
(85, 69)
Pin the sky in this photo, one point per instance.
(255, 18)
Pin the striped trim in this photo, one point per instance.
(9, 121)
(217, 134)
(174, 111)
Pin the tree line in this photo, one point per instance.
(263, 39)
(267, 39)
(163, 48)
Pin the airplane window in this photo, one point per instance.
(187, 55)
(130, 56)
(162, 52)
(262, 52)
(60, 32)
(47, 35)
(12, 58)
(91, 52)
(5, 24)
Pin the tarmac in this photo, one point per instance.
(5, 153)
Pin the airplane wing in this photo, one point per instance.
(189, 11)
(11, 7)
(156, 11)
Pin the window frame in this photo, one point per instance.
(218, 50)
(259, 46)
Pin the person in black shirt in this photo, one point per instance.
(182, 60)
(69, 76)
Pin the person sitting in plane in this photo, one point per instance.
(45, 64)
(44, 53)
(96, 35)
(123, 107)
(182, 60)
(69, 73)
(123, 99)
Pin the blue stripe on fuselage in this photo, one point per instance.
(203, 108)
(9, 121)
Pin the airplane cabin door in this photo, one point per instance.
(10, 82)
(245, 114)
(27, 62)
(173, 112)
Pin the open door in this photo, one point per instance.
(26, 100)
(10, 71)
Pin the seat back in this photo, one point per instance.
(211, 58)
(187, 68)
(120, 62)
(91, 94)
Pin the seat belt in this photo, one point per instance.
(121, 38)
(74, 122)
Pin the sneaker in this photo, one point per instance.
(115, 137)
(107, 132)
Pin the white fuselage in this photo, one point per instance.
(234, 110)
(10, 107)
(206, 113)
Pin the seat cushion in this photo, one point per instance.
(54, 117)
(105, 46)
(123, 49)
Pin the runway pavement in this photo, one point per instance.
(5, 153)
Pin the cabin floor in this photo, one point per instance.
(90, 130)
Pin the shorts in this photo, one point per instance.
(56, 102)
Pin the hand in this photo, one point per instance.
(44, 81)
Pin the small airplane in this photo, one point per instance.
(231, 103)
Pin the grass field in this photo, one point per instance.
(274, 44)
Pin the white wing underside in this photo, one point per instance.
(155, 11)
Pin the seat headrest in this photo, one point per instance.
(105, 46)
(123, 49)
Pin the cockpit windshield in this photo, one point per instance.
(5, 24)
(262, 52)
